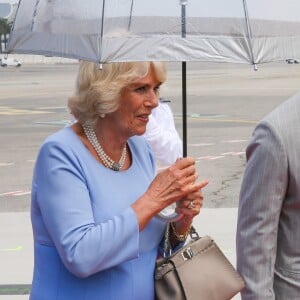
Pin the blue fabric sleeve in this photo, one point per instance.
(84, 246)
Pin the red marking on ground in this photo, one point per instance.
(16, 193)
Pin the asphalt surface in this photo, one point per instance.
(224, 103)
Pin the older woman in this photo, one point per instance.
(94, 194)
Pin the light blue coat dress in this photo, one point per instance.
(87, 243)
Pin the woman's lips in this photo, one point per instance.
(143, 118)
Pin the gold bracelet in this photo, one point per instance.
(179, 237)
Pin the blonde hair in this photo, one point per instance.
(98, 90)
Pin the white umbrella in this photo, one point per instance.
(240, 31)
(104, 31)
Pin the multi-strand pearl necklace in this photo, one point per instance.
(107, 161)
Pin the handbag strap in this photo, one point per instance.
(167, 244)
(167, 251)
(194, 234)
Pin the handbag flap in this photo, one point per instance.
(192, 248)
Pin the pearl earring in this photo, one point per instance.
(102, 116)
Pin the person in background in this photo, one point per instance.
(268, 228)
(96, 195)
(162, 135)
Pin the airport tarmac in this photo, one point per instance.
(225, 101)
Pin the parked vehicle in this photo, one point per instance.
(292, 61)
(7, 61)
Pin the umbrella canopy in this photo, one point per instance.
(239, 31)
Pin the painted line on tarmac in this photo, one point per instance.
(223, 155)
(246, 88)
(195, 115)
(52, 107)
(9, 193)
(233, 153)
(60, 123)
(7, 164)
(204, 119)
(15, 289)
(226, 121)
(209, 157)
(9, 111)
(30, 160)
(15, 193)
(206, 115)
(4, 164)
(18, 248)
(201, 144)
(30, 94)
(221, 142)
(234, 141)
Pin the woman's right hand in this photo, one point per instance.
(174, 183)
(169, 186)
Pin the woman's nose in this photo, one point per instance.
(152, 99)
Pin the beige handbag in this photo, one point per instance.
(198, 271)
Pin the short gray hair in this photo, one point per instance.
(98, 90)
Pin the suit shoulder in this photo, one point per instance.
(287, 113)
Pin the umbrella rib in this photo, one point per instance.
(130, 16)
(100, 44)
(34, 13)
(249, 31)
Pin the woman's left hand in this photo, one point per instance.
(188, 208)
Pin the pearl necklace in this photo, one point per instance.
(107, 161)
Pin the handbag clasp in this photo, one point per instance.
(187, 254)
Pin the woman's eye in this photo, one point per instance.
(141, 90)
(156, 89)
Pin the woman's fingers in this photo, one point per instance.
(202, 184)
(176, 182)
(192, 203)
(184, 162)
(195, 187)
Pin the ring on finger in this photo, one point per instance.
(191, 204)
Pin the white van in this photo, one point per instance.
(7, 61)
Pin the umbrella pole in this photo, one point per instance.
(184, 109)
(183, 4)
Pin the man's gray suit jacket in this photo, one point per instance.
(268, 229)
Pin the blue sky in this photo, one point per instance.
(9, 1)
(4, 10)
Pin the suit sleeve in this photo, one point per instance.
(261, 197)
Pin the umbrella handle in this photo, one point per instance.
(168, 214)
